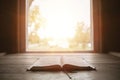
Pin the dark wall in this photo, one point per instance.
(8, 25)
(110, 25)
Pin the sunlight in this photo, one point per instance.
(57, 20)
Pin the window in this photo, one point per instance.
(59, 25)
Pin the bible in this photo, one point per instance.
(60, 63)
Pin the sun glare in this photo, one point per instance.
(54, 23)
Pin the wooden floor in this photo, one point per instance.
(13, 67)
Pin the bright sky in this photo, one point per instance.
(62, 16)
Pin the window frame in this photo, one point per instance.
(97, 29)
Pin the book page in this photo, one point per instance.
(76, 63)
(46, 63)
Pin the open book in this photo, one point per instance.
(60, 63)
